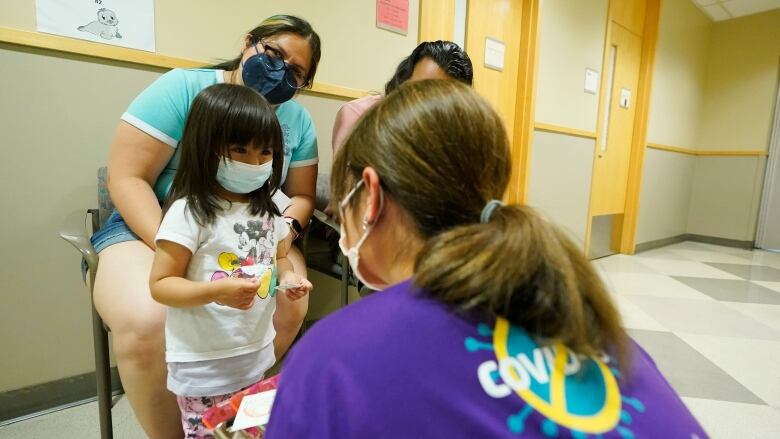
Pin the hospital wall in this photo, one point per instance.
(713, 95)
(676, 104)
(742, 81)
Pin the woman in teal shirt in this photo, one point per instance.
(279, 57)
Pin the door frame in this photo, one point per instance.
(624, 225)
(525, 103)
(431, 26)
(769, 176)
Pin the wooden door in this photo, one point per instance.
(499, 21)
(613, 149)
(437, 20)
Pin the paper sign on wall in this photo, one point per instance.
(494, 54)
(120, 23)
(393, 15)
(591, 81)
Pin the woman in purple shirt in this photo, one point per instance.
(495, 325)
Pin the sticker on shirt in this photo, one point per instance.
(255, 245)
(578, 393)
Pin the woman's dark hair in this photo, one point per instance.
(222, 116)
(282, 24)
(442, 154)
(448, 55)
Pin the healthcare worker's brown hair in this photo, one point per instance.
(442, 154)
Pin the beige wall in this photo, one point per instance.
(354, 52)
(726, 196)
(680, 74)
(323, 110)
(714, 88)
(742, 75)
(56, 120)
(559, 184)
(676, 106)
(571, 38)
(666, 195)
(741, 83)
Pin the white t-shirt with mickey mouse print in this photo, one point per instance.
(215, 349)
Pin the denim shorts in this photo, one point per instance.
(114, 231)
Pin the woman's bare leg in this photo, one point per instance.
(137, 325)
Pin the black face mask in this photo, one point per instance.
(268, 76)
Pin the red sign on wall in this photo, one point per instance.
(393, 15)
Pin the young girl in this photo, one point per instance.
(220, 249)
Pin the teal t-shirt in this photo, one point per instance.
(162, 109)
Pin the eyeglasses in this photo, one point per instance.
(274, 61)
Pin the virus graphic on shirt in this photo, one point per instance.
(578, 393)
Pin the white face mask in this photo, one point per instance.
(353, 254)
(243, 178)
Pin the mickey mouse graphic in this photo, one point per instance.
(254, 241)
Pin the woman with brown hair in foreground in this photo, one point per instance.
(491, 322)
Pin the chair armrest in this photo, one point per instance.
(325, 219)
(73, 230)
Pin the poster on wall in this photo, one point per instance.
(117, 22)
(393, 15)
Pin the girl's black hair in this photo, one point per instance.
(223, 116)
(448, 55)
(282, 24)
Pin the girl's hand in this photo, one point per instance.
(302, 286)
(235, 292)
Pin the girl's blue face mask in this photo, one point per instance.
(268, 76)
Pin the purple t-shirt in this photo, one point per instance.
(398, 365)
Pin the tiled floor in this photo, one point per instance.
(77, 422)
(709, 316)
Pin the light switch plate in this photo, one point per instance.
(625, 97)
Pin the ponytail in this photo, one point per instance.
(520, 266)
